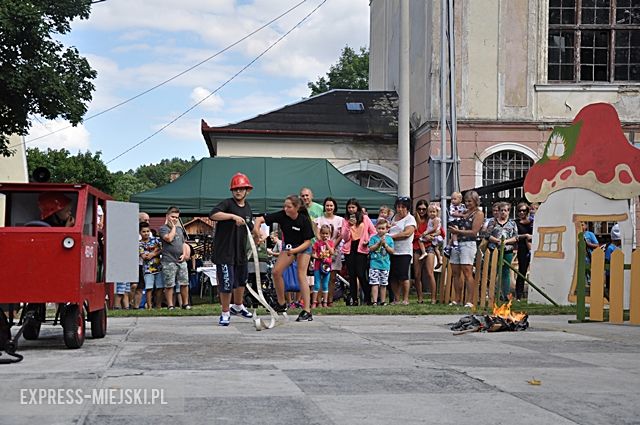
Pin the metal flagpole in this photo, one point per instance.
(443, 120)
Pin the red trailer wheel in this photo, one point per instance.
(98, 320)
(73, 326)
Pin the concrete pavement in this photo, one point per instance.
(335, 370)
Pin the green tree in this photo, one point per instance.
(126, 184)
(81, 168)
(38, 74)
(158, 174)
(351, 72)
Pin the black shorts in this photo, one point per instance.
(231, 276)
(400, 265)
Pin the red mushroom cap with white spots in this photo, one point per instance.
(601, 159)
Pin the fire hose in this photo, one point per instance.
(257, 294)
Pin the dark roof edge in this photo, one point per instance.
(218, 130)
(306, 100)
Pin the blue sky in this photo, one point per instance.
(136, 44)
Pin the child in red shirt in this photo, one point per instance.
(322, 254)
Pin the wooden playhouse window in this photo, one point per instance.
(550, 242)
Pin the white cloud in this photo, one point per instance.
(296, 65)
(185, 129)
(105, 94)
(298, 91)
(72, 139)
(313, 46)
(134, 35)
(254, 104)
(211, 103)
(137, 44)
(137, 47)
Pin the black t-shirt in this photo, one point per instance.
(294, 232)
(230, 241)
(522, 230)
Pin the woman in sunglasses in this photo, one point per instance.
(525, 232)
(505, 229)
(420, 260)
(462, 259)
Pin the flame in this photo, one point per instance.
(505, 312)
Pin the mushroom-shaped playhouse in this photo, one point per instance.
(589, 172)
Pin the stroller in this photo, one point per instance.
(342, 287)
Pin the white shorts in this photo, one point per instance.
(464, 253)
(378, 277)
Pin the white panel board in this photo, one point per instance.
(122, 241)
(3, 206)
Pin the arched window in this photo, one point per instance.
(373, 180)
(500, 167)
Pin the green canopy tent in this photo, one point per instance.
(273, 179)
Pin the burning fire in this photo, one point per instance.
(502, 319)
(504, 311)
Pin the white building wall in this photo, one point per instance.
(14, 168)
(500, 60)
(384, 56)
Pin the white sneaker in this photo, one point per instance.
(469, 305)
(224, 320)
(241, 311)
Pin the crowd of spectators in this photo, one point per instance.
(380, 257)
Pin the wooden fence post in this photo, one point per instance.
(616, 287)
(596, 306)
(492, 278)
(482, 303)
(476, 279)
(580, 284)
(634, 298)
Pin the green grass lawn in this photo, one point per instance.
(203, 307)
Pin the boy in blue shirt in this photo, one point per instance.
(592, 243)
(616, 242)
(380, 248)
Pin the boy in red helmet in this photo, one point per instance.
(229, 254)
(55, 209)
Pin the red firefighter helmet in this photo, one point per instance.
(240, 181)
(51, 202)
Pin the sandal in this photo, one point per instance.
(324, 304)
(314, 304)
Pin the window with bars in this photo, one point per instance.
(594, 41)
(500, 167)
(374, 181)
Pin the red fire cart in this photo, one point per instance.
(61, 261)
